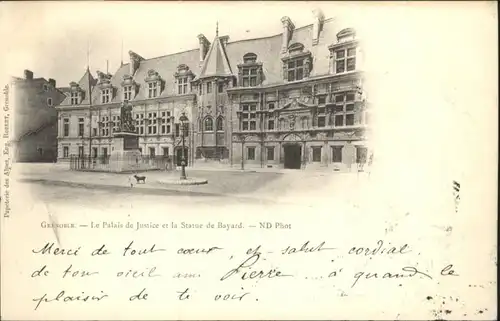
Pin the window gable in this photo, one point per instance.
(249, 58)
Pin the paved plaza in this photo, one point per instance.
(56, 183)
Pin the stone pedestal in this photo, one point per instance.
(125, 156)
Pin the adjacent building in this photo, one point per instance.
(35, 120)
(292, 100)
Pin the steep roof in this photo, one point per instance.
(83, 83)
(222, 59)
(216, 62)
(165, 66)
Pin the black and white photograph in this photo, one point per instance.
(225, 118)
(294, 160)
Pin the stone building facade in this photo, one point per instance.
(35, 120)
(292, 100)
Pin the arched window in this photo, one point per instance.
(209, 124)
(220, 124)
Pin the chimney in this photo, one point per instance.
(52, 82)
(287, 32)
(319, 18)
(204, 46)
(135, 61)
(28, 74)
(224, 40)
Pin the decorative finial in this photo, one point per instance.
(121, 53)
(217, 29)
(88, 54)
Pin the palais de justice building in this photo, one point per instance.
(292, 100)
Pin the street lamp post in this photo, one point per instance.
(183, 119)
(242, 137)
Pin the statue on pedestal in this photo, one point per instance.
(126, 120)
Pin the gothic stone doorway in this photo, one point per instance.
(178, 156)
(292, 156)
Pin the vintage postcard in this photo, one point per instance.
(248, 160)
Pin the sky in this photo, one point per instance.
(51, 38)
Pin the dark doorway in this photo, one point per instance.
(292, 156)
(178, 157)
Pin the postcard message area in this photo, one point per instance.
(228, 266)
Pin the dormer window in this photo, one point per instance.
(345, 60)
(250, 72)
(127, 93)
(182, 85)
(295, 70)
(75, 93)
(183, 76)
(105, 87)
(297, 63)
(129, 88)
(152, 89)
(75, 98)
(343, 53)
(249, 78)
(154, 82)
(105, 96)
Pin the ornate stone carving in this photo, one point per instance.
(295, 48)
(127, 80)
(183, 70)
(152, 76)
(292, 138)
(291, 121)
(134, 56)
(307, 67)
(102, 77)
(74, 86)
(249, 57)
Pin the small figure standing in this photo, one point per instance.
(131, 181)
